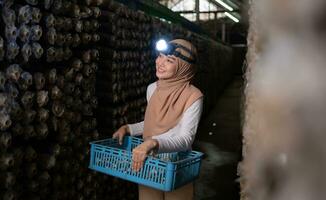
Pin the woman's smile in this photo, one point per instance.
(161, 70)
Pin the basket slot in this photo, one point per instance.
(126, 160)
(115, 162)
(105, 159)
(121, 162)
(158, 179)
(159, 175)
(101, 158)
(109, 161)
(98, 158)
(162, 175)
(155, 174)
(145, 169)
(147, 173)
(151, 173)
(128, 166)
(140, 173)
(118, 163)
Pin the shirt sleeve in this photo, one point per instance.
(137, 129)
(182, 136)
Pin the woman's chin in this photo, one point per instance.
(163, 75)
(160, 76)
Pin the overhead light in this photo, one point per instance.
(226, 6)
(232, 17)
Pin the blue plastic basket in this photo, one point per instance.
(166, 171)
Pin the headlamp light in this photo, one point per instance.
(161, 45)
(170, 49)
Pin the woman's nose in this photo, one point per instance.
(160, 60)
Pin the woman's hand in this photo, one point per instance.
(120, 133)
(140, 153)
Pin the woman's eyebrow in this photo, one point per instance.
(173, 58)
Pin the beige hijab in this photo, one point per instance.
(172, 96)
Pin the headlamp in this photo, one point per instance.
(170, 49)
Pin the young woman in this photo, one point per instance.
(172, 114)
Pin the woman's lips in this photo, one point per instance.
(160, 70)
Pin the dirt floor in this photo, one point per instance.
(219, 137)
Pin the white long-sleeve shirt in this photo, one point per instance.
(180, 137)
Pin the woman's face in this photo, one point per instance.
(166, 66)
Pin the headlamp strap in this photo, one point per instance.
(178, 54)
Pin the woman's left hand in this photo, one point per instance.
(140, 153)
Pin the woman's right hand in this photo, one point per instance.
(120, 133)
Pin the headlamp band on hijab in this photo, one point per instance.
(178, 54)
(171, 50)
